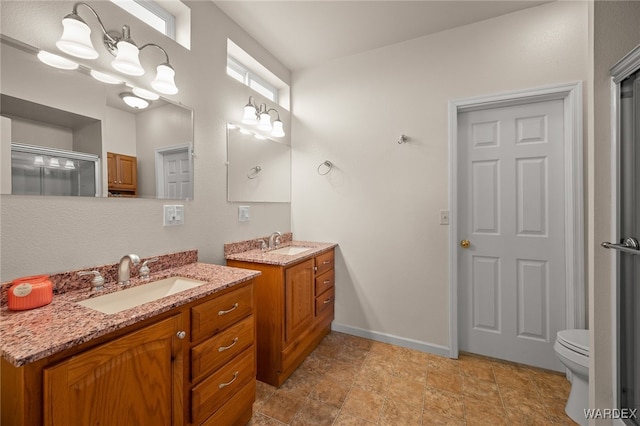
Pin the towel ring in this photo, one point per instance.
(254, 172)
(327, 164)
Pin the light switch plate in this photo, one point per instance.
(444, 217)
(173, 214)
(243, 213)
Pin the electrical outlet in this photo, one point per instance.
(444, 217)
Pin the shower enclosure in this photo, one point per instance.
(626, 76)
(37, 170)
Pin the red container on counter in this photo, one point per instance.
(30, 292)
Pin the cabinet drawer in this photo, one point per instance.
(217, 314)
(324, 282)
(237, 411)
(324, 302)
(216, 351)
(324, 262)
(215, 390)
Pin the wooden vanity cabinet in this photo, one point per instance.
(131, 377)
(122, 175)
(294, 310)
(193, 365)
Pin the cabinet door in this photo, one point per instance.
(134, 379)
(299, 299)
(128, 172)
(112, 171)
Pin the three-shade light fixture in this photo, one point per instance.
(260, 115)
(76, 41)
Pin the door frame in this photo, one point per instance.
(629, 64)
(571, 95)
(159, 160)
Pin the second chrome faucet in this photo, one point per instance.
(124, 268)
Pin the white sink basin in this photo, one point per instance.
(290, 250)
(135, 296)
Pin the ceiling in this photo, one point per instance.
(303, 33)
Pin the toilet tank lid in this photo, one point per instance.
(578, 338)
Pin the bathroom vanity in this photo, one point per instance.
(184, 359)
(295, 296)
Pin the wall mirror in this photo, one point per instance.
(66, 133)
(259, 169)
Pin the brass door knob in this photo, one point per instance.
(465, 243)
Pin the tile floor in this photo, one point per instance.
(348, 380)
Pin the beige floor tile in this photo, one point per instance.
(478, 412)
(351, 381)
(396, 413)
(483, 390)
(443, 403)
(331, 392)
(315, 413)
(345, 419)
(363, 404)
(405, 391)
(443, 380)
(282, 406)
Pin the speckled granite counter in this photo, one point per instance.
(31, 335)
(268, 257)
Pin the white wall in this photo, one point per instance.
(52, 234)
(36, 133)
(616, 32)
(382, 200)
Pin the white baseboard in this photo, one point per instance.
(394, 340)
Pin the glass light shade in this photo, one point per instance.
(278, 129)
(38, 161)
(56, 61)
(133, 101)
(76, 38)
(249, 116)
(265, 122)
(164, 81)
(145, 94)
(105, 78)
(127, 60)
(54, 162)
(69, 165)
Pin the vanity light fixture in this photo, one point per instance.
(76, 41)
(69, 165)
(56, 61)
(38, 160)
(54, 162)
(105, 78)
(254, 114)
(145, 94)
(133, 101)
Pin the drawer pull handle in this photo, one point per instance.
(327, 301)
(224, 385)
(224, 348)
(326, 262)
(233, 308)
(326, 281)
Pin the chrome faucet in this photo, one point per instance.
(274, 239)
(124, 268)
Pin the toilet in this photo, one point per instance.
(572, 348)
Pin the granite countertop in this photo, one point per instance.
(30, 335)
(268, 257)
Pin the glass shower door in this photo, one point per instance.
(628, 303)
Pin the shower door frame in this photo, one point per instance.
(628, 65)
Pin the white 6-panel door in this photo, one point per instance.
(511, 199)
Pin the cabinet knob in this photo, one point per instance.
(181, 334)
